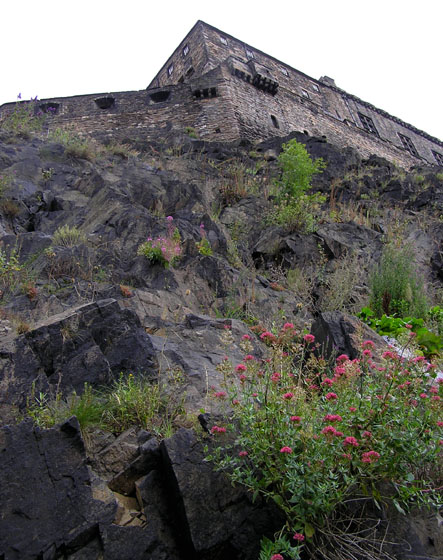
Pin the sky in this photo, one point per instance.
(388, 52)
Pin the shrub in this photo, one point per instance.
(5, 184)
(24, 119)
(163, 250)
(395, 286)
(75, 146)
(311, 439)
(203, 246)
(67, 236)
(11, 271)
(295, 209)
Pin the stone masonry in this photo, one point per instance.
(224, 89)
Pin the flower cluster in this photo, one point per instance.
(163, 250)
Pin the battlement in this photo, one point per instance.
(225, 89)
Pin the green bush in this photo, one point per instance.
(295, 209)
(163, 250)
(75, 146)
(395, 286)
(67, 236)
(316, 440)
(24, 119)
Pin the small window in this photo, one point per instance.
(368, 124)
(104, 102)
(49, 108)
(284, 71)
(315, 87)
(249, 54)
(185, 50)
(407, 144)
(224, 41)
(275, 121)
(438, 157)
(305, 93)
(159, 96)
(170, 70)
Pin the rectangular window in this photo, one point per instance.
(185, 50)
(407, 144)
(438, 157)
(368, 124)
(224, 41)
(249, 54)
(170, 70)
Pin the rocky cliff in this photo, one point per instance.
(90, 308)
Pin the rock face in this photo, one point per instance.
(88, 309)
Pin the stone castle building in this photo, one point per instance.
(226, 90)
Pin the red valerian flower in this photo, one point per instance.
(368, 344)
(218, 430)
(370, 457)
(298, 419)
(366, 434)
(246, 337)
(288, 396)
(342, 358)
(352, 408)
(309, 338)
(242, 453)
(332, 418)
(327, 381)
(331, 396)
(286, 449)
(240, 367)
(220, 394)
(298, 537)
(249, 357)
(277, 557)
(275, 377)
(287, 326)
(351, 441)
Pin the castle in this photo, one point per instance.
(224, 89)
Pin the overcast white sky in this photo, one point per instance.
(388, 52)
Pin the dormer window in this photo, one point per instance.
(438, 157)
(170, 70)
(185, 50)
(223, 41)
(249, 54)
(407, 144)
(368, 124)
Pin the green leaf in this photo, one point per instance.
(399, 508)
(309, 530)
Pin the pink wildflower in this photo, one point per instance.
(298, 419)
(389, 355)
(327, 381)
(235, 401)
(287, 326)
(298, 537)
(331, 396)
(288, 396)
(309, 338)
(370, 457)
(342, 358)
(249, 357)
(346, 455)
(332, 418)
(408, 326)
(242, 453)
(286, 449)
(267, 336)
(255, 394)
(218, 430)
(367, 353)
(366, 434)
(275, 377)
(246, 337)
(169, 218)
(423, 396)
(352, 408)
(242, 378)
(240, 367)
(368, 344)
(329, 431)
(351, 441)
(339, 371)
(220, 394)
(435, 398)
(277, 557)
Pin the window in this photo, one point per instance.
(224, 41)
(368, 124)
(305, 93)
(185, 50)
(315, 87)
(159, 96)
(408, 145)
(249, 54)
(275, 121)
(438, 157)
(284, 71)
(170, 70)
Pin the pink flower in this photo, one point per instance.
(370, 457)
(169, 218)
(332, 418)
(220, 394)
(288, 396)
(240, 367)
(339, 370)
(346, 455)
(408, 326)
(331, 396)
(440, 424)
(423, 396)
(248, 358)
(246, 337)
(352, 408)
(329, 431)
(309, 338)
(435, 398)
(255, 394)
(286, 449)
(367, 353)
(275, 377)
(368, 344)
(327, 381)
(366, 434)
(242, 453)
(288, 326)
(242, 378)
(342, 358)
(218, 430)
(298, 537)
(277, 557)
(267, 336)
(235, 401)
(298, 419)
(351, 441)
(389, 355)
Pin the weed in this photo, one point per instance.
(126, 291)
(67, 236)
(203, 246)
(5, 183)
(122, 150)
(191, 132)
(24, 119)
(9, 208)
(163, 250)
(75, 146)
(47, 173)
(11, 271)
